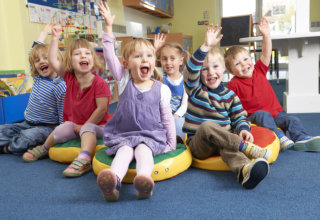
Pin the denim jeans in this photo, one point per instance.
(179, 124)
(285, 122)
(22, 136)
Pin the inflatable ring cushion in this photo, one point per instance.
(166, 165)
(263, 137)
(68, 151)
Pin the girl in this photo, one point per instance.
(40, 120)
(136, 130)
(172, 61)
(85, 107)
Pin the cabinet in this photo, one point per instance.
(184, 40)
(159, 8)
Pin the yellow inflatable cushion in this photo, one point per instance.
(263, 137)
(68, 151)
(166, 165)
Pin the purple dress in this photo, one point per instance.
(136, 120)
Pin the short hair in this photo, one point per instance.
(173, 45)
(231, 54)
(130, 48)
(76, 44)
(216, 53)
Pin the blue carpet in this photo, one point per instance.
(290, 191)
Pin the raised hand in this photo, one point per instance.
(106, 13)
(213, 35)
(48, 28)
(264, 27)
(159, 40)
(57, 31)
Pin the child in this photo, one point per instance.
(142, 125)
(215, 112)
(172, 61)
(85, 107)
(40, 119)
(258, 98)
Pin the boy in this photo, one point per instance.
(259, 99)
(214, 112)
(44, 109)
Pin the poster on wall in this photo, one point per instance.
(77, 13)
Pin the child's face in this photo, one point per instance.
(141, 63)
(42, 65)
(82, 61)
(171, 60)
(242, 66)
(212, 72)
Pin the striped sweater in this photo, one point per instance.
(221, 105)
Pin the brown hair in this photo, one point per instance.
(130, 47)
(231, 54)
(173, 45)
(36, 50)
(76, 44)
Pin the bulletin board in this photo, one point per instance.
(234, 28)
(78, 12)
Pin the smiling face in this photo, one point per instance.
(171, 60)
(212, 70)
(141, 63)
(242, 65)
(42, 66)
(82, 60)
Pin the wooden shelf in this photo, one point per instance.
(148, 8)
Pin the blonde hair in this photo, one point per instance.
(231, 55)
(36, 50)
(130, 48)
(76, 44)
(181, 52)
(216, 53)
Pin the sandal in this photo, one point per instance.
(144, 186)
(77, 168)
(35, 154)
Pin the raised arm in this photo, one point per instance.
(47, 30)
(116, 69)
(56, 64)
(212, 38)
(266, 41)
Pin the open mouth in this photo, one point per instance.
(44, 67)
(84, 63)
(144, 70)
(212, 80)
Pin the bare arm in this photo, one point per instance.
(266, 41)
(102, 108)
(47, 30)
(53, 51)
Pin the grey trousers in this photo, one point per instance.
(211, 139)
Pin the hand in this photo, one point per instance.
(176, 116)
(77, 129)
(264, 27)
(246, 135)
(212, 37)
(48, 28)
(56, 31)
(106, 13)
(159, 40)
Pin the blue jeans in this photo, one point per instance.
(285, 122)
(22, 136)
(179, 124)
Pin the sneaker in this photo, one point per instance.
(311, 144)
(285, 143)
(254, 151)
(109, 184)
(144, 186)
(5, 150)
(253, 173)
(35, 154)
(77, 168)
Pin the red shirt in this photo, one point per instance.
(79, 105)
(256, 93)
